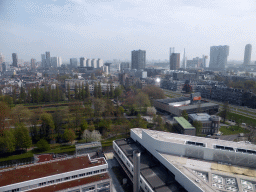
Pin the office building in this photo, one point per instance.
(88, 62)
(48, 59)
(218, 57)
(59, 63)
(43, 61)
(33, 63)
(1, 58)
(210, 123)
(138, 59)
(94, 63)
(79, 173)
(56, 62)
(99, 63)
(247, 54)
(82, 62)
(183, 126)
(175, 162)
(192, 104)
(3, 67)
(124, 65)
(73, 62)
(174, 61)
(14, 60)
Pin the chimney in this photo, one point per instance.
(136, 171)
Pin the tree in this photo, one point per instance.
(76, 92)
(7, 141)
(14, 94)
(20, 114)
(99, 90)
(83, 92)
(68, 89)
(47, 127)
(151, 111)
(111, 93)
(159, 123)
(198, 125)
(43, 145)
(95, 135)
(225, 111)
(22, 95)
(117, 92)
(95, 93)
(142, 100)
(4, 113)
(69, 135)
(23, 139)
(184, 114)
(154, 92)
(99, 106)
(83, 126)
(87, 90)
(86, 135)
(59, 117)
(107, 91)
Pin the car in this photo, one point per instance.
(208, 136)
(218, 134)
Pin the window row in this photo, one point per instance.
(56, 181)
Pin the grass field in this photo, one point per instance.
(58, 149)
(243, 119)
(231, 130)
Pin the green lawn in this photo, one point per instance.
(59, 149)
(244, 119)
(231, 130)
(14, 157)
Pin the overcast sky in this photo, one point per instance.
(111, 29)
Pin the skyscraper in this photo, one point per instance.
(138, 59)
(59, 63)
(94, 63)
(33, 63)
(48, 59)
(218, 56)
(1, 58)
(43, 61)
(247, 54)
(88, 62)
(73, 62)
(14, 60)
(174, 61)
(82, 62)
(99, 63)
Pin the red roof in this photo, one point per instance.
(45, 169)
(73, 183)
(44, 157)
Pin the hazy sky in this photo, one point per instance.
(111, 29)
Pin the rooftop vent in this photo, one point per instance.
(195, 143)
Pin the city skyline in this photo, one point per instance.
(77, 28)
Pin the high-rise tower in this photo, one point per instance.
(247, 54)
(14, 60)
(218, 57)
(138, 59)
(48, 59)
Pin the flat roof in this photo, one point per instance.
(35, 171)
(74, 183)
(202, 105)
(155, 174)
(173, 100)
(200, 116)
(181, 139)
(184, 123)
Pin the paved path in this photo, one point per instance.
(116, 187)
